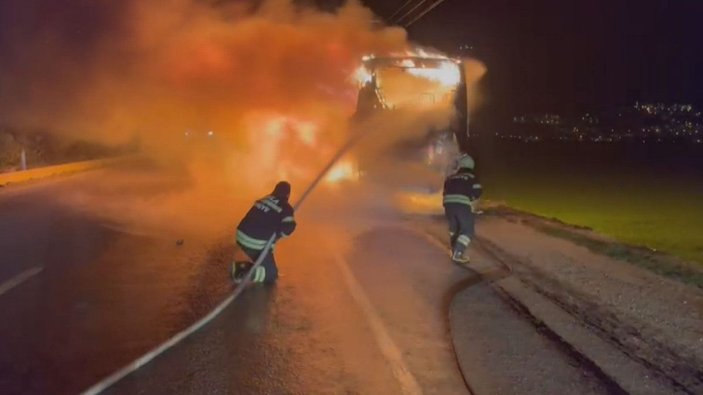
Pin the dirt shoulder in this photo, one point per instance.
(624, 318)
(655, 261)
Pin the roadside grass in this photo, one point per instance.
(654, 262)
(662, 215)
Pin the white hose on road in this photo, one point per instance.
(148, 357)
(19, 279)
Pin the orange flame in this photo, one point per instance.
(345, 170)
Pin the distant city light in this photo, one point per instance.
(646, 122)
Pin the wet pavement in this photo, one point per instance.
(360, 306)
(101, 295)
(359, 309)
(367, 301)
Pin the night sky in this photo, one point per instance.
(542, 55)
(572, 56)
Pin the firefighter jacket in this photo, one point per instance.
(462, 187)
(268, 216)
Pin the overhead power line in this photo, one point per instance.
(428, 9)
(408, 2)
(410, 11)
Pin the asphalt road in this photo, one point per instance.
(360, 307)
(368, 319)
(80, 292)
(91, 278)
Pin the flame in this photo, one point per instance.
(448, 74)
(285, 147)
(294, 149)
(439, 81)
(407, 63)
(362, 75)
(342, 171)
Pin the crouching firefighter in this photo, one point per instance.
(269, 216)
(461, 191)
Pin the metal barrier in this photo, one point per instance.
(51, 171)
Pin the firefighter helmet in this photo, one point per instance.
(465, 162)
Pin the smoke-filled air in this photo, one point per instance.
(239, 93)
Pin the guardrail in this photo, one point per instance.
(51, 171)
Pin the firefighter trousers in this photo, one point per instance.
(461, 225)
(267, 272)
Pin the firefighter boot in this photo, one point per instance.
(240, 270)
(458, 255)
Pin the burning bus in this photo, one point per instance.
(418, 83)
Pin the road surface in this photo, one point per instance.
(92, 278)
(80, 293)
(360, 308)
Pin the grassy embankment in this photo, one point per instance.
(662, 210)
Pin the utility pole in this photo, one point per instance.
(23, 160)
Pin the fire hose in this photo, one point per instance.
(178, 337)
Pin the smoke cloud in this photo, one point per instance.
(112, 69)
(271, 80)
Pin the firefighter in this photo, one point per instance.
(269, 216)
(461, 193)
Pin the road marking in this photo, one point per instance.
(133, 366)
(433, 240)
(19, 279)
(390, 351)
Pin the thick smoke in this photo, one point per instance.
(270, 79)
(110, 70)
